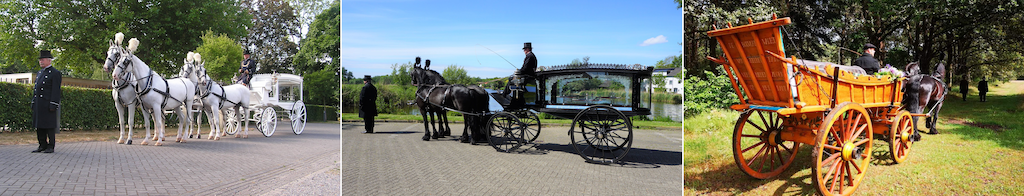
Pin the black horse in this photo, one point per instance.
(470, 100)
(422, 77)
(923, 91)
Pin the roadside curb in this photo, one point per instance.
(542, 124)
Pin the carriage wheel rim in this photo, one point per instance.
(758, 149)
(588, 124)
(500, 135)
(848, 126)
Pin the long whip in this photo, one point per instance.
(506, 60)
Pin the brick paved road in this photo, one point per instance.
(230, 166)
(397, 162)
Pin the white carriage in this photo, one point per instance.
(272, 96)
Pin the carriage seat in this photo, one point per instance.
(809, 64)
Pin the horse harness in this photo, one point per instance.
(209, 91)
(445, 97)
(141, 90)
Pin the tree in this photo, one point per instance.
(308, 10)
(345, 74)
(221, 55)
(400, 74)
(78, 31)
(17, 53)
(321, 88)
(275, 25)
(455, 74)
(321, 49)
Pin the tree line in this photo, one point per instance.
(973, 39)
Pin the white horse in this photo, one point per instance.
(123, 93)
(188, 70)
(217, 98)
(156, 93)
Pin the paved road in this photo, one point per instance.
(396, 161)
(285, 164)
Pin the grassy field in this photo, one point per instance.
(544, 122)
(979, 152)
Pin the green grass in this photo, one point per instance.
(544, 122)
(963, 160)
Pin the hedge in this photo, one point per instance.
(91, 109)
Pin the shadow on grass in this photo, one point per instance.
(1000, 110)
(725, 177)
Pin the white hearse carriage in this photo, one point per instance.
(273, 94)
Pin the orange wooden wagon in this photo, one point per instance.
(786, 102)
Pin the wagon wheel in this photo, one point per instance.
(298, 117)
(757, 145)
(532, 129)
(505, 132)
(603, 132)
(268, 121)
(841, 156)
(230, 122)
(899, 136)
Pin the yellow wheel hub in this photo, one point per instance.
(904, 137)
(771, 138)
(848, 151)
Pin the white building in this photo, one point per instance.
(672, 83)
(29, 78)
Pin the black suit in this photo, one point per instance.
(868, 62)
(46, 106)
(982, 90)
(529, 65)
(250, 65)
(368, 105)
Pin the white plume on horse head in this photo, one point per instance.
(198, 58)
(133, 45)
(118, 37)
(188, 57)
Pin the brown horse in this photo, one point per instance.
(923, 91)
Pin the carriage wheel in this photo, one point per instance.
(268, 121)
(298, 117)
(757, 145)
(603, 132)
(505, 132)
(842, 153)
(230, 122)
(532, 129)
(899, 136)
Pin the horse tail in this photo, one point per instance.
(940, 71)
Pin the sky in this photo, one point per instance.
(377, 34)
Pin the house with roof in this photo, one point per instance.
(672, 84)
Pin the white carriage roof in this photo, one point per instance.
(282, 78)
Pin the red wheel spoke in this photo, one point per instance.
(752, 159)
(836, 177)
(860, 130)
(762, 119)
(857, 167)
(861, 142)
(745, 135)
(831, 168)
(833, 147)
(755, 126)
(752, 146)
(787, 149)
(779, 155)
(849, 177)
(830, 158)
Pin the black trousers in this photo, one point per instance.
(368, 121)
(43, 135)
(982, 96)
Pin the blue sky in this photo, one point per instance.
(379, 33)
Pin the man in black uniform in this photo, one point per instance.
(963, 88)
(46, 103)
(529, 69)
(248, 68)
(368, 103)
(867, 60)
(982, 89)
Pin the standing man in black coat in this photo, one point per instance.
(964, 88)
(368, 103)
(867, 60)
(248, 68)
(982, 89)
(46, 103)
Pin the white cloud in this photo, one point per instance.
(654, 40)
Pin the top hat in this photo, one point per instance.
(245, 52)
(866, 46)
(367, 78)
(527, 45)
(45, 54)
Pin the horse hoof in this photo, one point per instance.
(177, 140)
(158, 143)
(182, 141)
(216, 139)
(189, 136)
(245, 137)
(932, 132)
(426, 138)
(120, 141)
(145, 142)
(128, 143)
(237, 136)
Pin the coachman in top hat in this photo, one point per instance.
(46, 103)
